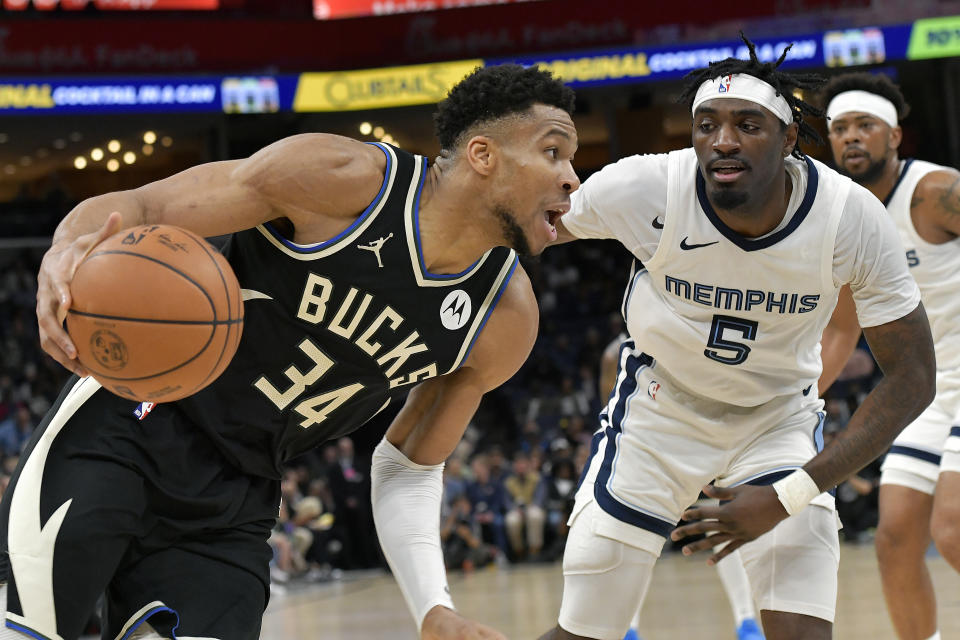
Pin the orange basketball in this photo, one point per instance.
(157, 313)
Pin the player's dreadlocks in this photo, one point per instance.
(872, 83)
(784, 83)
(494, 92)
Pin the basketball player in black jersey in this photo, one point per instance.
(367, 272)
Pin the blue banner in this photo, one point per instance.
(646, 64)
(146, 94)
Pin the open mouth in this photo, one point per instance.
(727, 172)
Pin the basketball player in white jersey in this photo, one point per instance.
(920, 481)
(742, 244)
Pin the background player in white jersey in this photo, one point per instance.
(920, 481)
(742, 244)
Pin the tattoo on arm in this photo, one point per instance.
(904, 351)
(916, 201)
(950, 199)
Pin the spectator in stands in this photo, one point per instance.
(490, 502)
(558, 490)
(527, 515)
(463, 546)
(15, 431)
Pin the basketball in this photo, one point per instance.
(157, 313)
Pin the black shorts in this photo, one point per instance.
(147, 512)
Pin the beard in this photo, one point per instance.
(728, 199)
(870, 175)
(513, 233)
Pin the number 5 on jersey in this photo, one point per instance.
(718, 339)
(316, 409)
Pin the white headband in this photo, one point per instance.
(744, 87)
(863, 102)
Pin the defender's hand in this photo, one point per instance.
(442, 623)
(750, 512)
(53, 291)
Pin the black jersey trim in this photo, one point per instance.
(903, 174)
(416, 235)
(762, 243)
(299, 248)
(493, 304)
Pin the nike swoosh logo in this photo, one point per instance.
(687, 247)
(657, 224)
(253, 294)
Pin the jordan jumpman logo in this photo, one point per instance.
(375, 246)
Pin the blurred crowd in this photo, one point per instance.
(508, 488)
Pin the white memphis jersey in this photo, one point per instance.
(936, 267)
(740, 319)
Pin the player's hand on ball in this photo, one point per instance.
(442, 623)
(53, 291)
(746, 513)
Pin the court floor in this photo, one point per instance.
(685, 600)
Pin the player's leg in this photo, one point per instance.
(603, 582)
(66, 519)
(737, 587)
(793, 572)
(213, 587)
(903, 536)
(908, 478)
(945, 524)
(792, 569)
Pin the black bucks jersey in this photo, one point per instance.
(334, 331)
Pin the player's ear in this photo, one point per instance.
(790, 138)
(896, 137)
(479, 151)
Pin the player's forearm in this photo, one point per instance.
(89, 215)
(904, 351)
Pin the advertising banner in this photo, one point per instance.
(332, 9)
(379, 88)
(230, 94)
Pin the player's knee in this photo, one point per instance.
(945, 529)
(896, 536)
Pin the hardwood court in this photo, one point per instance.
(685, 600)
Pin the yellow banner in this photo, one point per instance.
(379, 88)
(25, 96)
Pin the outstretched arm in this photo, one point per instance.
(904, 350)
(408, 463)
(303, 178)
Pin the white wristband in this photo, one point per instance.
(406, 510)
(796, 491)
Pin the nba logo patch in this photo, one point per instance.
(653, 388)
(144, 409)
(725, 84)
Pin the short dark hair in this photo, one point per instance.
(784, 83)
(489, 93)
(877, 83)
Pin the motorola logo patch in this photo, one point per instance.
(455, 310)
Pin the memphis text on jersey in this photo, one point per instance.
(741, 299)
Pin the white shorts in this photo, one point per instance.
(792, 568)
(659, 444)
(931, 443)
